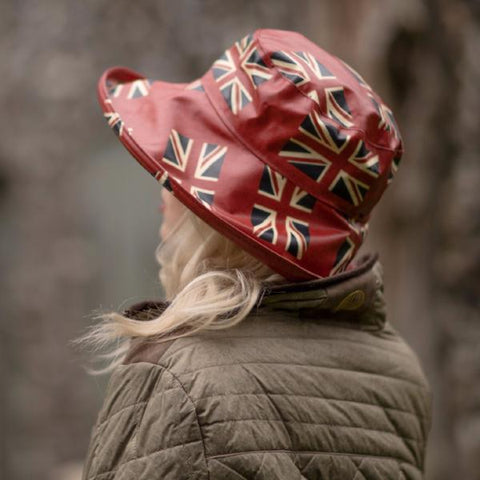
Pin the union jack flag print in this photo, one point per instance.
(349, 188)
(337, 107)
(309, 158)
(314, 161)
(242, 61)
(115, 122)
(296, 65)
(302, 68)
(114, 88)
(178, 150)
(195, 85)
(344, 255)
(365, 160)
(264, 221)
(164, 179)
(139, 88)
(282, 212)
(393, 168)
(196, 172)
(387, 121)
(136, 89)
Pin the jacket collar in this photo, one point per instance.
(354, 297)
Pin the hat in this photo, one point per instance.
(280, 146)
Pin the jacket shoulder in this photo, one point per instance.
(275, 383)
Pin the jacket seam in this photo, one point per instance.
(202, 439)
(140, 414)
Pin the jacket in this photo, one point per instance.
(314, 384)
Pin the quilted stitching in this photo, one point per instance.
(353, 467)
(112, 429)
(358, 473)
(277, 397)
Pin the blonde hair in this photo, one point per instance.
(209, 281)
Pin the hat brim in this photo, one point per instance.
(164, 125)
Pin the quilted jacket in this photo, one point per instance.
(314, 384)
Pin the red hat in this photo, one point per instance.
(280, 146)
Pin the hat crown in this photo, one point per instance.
(318, 122)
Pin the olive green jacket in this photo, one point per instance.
(314, 384)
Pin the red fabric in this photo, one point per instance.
(279, 145)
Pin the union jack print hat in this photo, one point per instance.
(280, 146)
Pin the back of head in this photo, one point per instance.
(194, 251)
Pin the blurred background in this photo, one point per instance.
(79, 219)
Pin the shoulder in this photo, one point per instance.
(269, 341)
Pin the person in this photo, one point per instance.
(270, 356)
